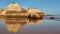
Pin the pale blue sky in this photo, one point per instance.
(47, 6)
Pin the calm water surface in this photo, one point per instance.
(29, 26)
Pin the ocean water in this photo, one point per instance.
(30, 26)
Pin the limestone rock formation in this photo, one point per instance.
(15, 10)
(35, 13)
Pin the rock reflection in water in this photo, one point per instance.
(14, 24)
(34, 21)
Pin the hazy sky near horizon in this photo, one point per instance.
(47, 6)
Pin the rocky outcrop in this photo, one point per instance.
(35, 13)
(15, 10)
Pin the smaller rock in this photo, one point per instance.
(52, 18)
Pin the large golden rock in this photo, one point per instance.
(14, 9)
(35, 13)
